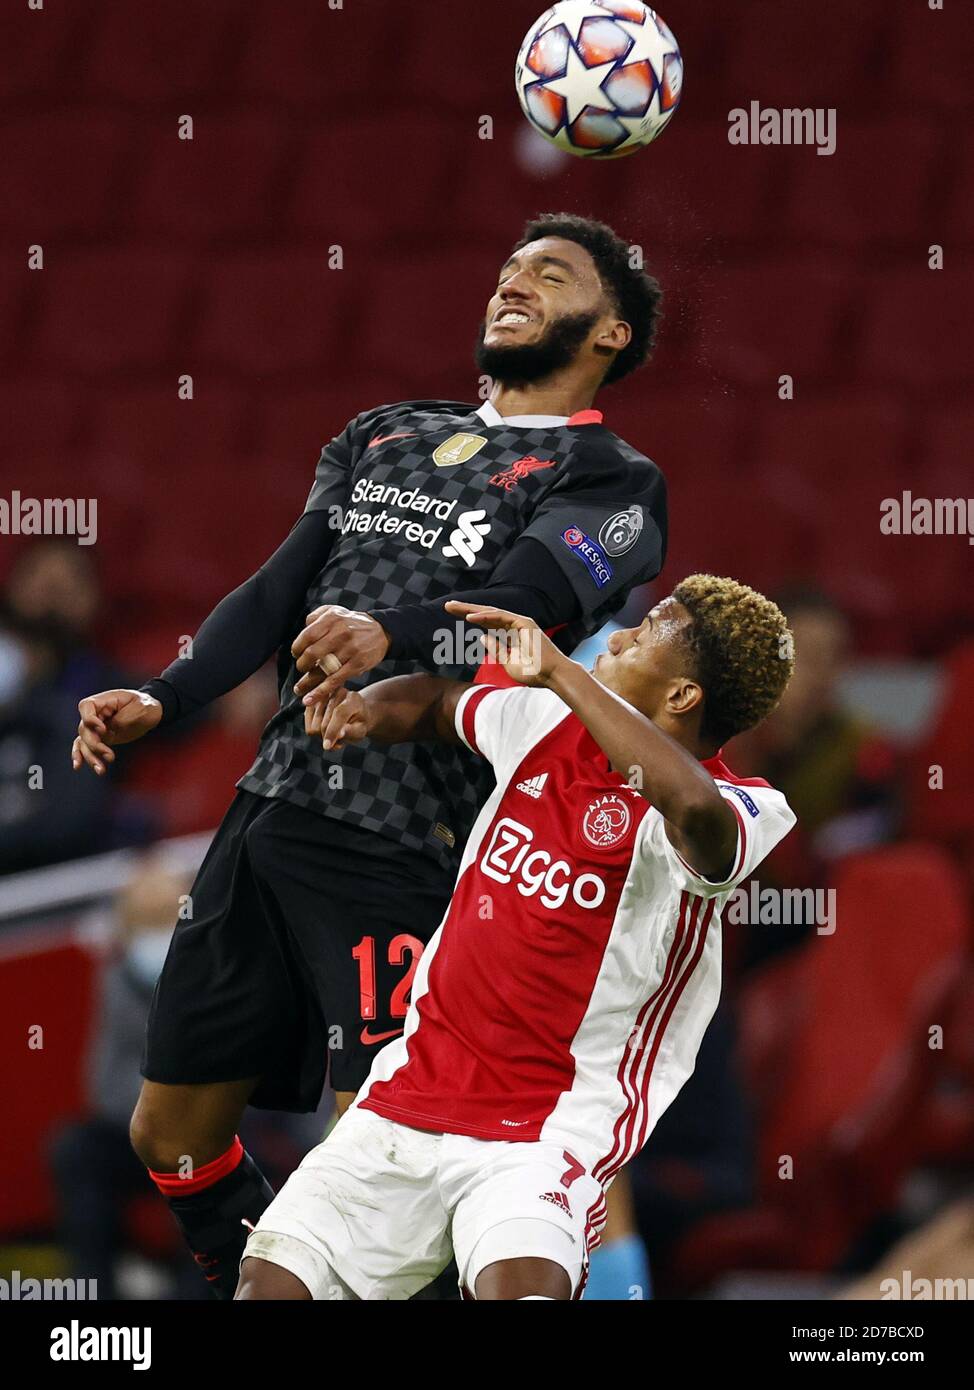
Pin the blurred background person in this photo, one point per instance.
(53, 596)
(840, 773)
(95, 1169)
(43, 817)
(96, 1173)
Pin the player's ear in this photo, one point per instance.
(614, 336)
(684, 696)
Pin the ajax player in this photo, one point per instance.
(332, 868)
(559, 1007)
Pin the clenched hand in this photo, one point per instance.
(355, 640)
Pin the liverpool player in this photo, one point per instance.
(559, 1007)
(332, 868)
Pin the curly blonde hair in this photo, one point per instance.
(742, 649)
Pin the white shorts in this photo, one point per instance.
(376, 1211)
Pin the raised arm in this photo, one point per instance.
(239, 635)
(699, 823)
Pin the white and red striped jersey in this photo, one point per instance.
(567, 990)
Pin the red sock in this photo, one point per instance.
(173, 1185)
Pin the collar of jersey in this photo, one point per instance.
(492, 416)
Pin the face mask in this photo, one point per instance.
(13, 669)
(147, 954)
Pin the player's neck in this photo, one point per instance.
(687, 735)
(543, 398)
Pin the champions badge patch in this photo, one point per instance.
(621, 532)
(459, 448)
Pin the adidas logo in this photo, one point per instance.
(533, 786)
(559, 1199)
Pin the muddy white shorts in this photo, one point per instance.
(377, 1210)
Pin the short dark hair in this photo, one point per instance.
(635, 294)
(742, 649)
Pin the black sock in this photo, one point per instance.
(216, 1218)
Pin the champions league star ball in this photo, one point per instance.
(599, 78)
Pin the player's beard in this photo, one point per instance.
(524, 364)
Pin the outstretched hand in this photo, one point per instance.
(110, 718)
(514, 642)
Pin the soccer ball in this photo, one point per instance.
(599, 78)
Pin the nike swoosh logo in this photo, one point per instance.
(367, 1038)
(384, 438)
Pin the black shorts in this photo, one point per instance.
(298, 952)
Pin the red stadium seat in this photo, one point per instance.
(312, 56)
(111, 310)
(355, 186)
(41, 49)
(422, 316)
(945, 468)
(808, 55)
(167, 439)
(873, 980)
(959, 221)
(21, 291)
(947, 436)
(946, 813)
(872, 190)
(297, 424)
(828, 464)
(699, 440)
(842, 1032)
(278, 313)
(221, 528)
(150, 54)
(118, 517)
(60, 173)
(916, 328)
(781, 316)
(492, 177)
(51, 1080)
(695, 437)
(41, 414)
(222, 182)
(679, 207)
(456, 64)
(933, 56)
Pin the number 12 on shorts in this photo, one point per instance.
(399, 947)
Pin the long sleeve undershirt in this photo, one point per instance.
(267, 611)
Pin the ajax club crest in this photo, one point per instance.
(607, 821)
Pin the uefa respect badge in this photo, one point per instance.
(590, 554)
